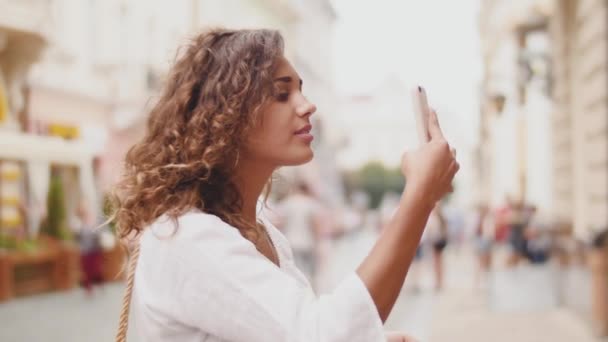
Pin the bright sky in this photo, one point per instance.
(432, 42)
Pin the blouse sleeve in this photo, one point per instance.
(233, 292)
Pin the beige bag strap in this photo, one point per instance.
(121, 335)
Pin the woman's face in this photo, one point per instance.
(283, 137)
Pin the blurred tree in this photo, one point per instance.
(108, 211)
(375, 179)
(56, 225)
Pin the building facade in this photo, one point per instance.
(544, 127)
(544, 132)
(22, 39)
(580, 118)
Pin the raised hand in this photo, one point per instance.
(430, 169)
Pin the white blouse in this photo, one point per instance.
(204, 282)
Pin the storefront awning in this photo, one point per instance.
(39, 152)
(55, 150)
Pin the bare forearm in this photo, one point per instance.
(430, 171)
(385, 268)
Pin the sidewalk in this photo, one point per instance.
(519, 305)
(69, 316)
(462, 316)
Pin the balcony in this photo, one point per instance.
(27, 17)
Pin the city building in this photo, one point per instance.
(544, 126)
(580, 117)
(22, 40)
(544, 134)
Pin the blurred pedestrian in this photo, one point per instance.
(539, 240)
(90, 247)
(484, 234)
(501, 220)
(437, 235)
(301, 214)
(519, 218)
(455, 223)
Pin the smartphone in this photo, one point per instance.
(422, 113)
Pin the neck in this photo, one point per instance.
(250, 178)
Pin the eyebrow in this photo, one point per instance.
(287, 79)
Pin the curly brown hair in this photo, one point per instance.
(211, 101)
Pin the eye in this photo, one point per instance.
(282, 97)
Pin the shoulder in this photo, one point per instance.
(192, 231)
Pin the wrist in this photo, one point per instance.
(418, 195)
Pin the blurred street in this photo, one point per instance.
(520, 305)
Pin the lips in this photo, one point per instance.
(304, 130)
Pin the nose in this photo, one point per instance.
(305, 107)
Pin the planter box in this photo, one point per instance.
(56, 267)
(113, 263)
(68, 268)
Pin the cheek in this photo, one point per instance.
(272, 136)
(276, 128)
(274, 141)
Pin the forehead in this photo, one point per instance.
(284, 68)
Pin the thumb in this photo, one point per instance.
(434, 128)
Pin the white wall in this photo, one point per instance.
(539, 190)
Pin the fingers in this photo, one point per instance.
(434, 128)
(454, 167)
(453, 170)
(449, 176)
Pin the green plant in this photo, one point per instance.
(56, 225)
(28, 245)
(7, 241)
(375, 180)
(107, 212)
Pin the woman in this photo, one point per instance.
(484, 233)
(207, 266)
(91, 256)
(301, 226)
